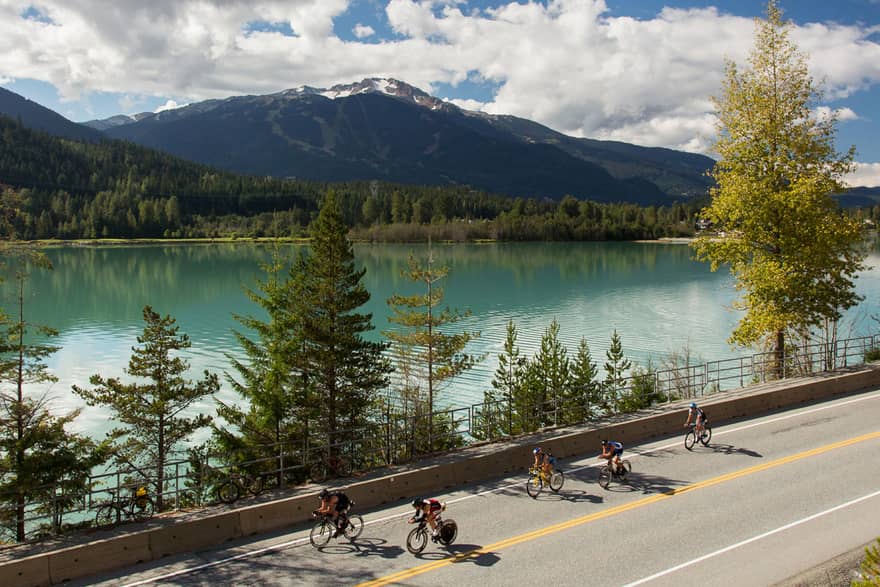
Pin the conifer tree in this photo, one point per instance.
(552, 367)
(345, 370)
(152, 413)
(43, 466)
(869, 570)
(441, 353)
(584, 390)
(616, 367)
(794, 255)
(506, 383)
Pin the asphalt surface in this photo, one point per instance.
(769, 499)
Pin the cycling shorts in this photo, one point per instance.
(617, 452)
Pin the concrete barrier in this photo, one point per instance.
(473, 465)
(31, 571)
(98, 556)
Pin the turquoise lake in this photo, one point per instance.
(655, 295)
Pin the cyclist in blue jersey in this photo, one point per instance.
(611, 451)
(698, 417)
(544, 461)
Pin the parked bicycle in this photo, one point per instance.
(336, 465)
(609, 472)
(325, 529)
(538, 478)
(237, 484)
(690, 437)
(137, 506)
(417, 539)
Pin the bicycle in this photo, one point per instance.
(538, 478)
(235, 484)
(417, 539)
(324, 528)
(690, 437)
(138, 506)
(338, 466)
(606, 474)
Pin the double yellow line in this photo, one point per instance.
(425, 568)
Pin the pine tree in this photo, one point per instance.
(498, 404)
(42, 465)
(870, 567)
(346, 371)
(584, 391)
(421, 320)
(152, 413)
(794, 255)
(616, 367)
(279, 405)
(552, 364)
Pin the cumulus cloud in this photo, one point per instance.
(169, 105)
(843, 114)
(866, 174)
(362, 31)
(569, 64)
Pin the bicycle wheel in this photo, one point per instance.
(604, 477)
(354, 527)
(228, 491)
(254, 485)
(107, 515)
(343, 467)
(689, 439)
(417, 540)
(143, 508)
(318, 473)
(624, 470)
(321, 533)
(448, 532)
(556, 481)
(706, 436)
(534, 485)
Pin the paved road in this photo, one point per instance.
(769, 498)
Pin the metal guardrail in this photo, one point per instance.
(394, 437)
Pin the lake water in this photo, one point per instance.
(657, 298)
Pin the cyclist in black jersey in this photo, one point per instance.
(336, 504)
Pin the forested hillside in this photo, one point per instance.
(57, 188)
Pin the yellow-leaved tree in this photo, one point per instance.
(793, 253)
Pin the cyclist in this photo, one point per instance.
(611, 451)
(699, 418)
(430, 509)
(336, 504)
(544, 461)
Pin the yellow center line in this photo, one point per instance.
(412, 572)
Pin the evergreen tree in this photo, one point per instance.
(42, 465)
(421, 320)
(347, 371)
(152, 413)
(498, 405)
(793, 253)
(616, 367)
(279, 406)
(870, 567)
(584, 391)
(553, 366)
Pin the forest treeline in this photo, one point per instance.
(57, 188)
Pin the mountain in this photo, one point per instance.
(35, 116)
(388, 130)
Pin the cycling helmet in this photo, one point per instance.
(324, 493)
(418, 502)
(604, 442)
(693, 405)
(537, 450)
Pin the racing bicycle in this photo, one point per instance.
(417, 539)
(690, 437)
(609, 472)
(324, 528)
(538, 478)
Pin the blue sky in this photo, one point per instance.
(640, 71)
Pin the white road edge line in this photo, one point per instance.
(752, 539)
(305, 540)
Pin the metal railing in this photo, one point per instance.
(395, 437)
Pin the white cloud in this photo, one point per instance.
(866, 174)
(569, 64)
(169, 105)
(362, 31)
